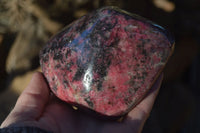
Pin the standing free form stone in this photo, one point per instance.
(106, 61)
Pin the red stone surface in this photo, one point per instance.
(106, 61)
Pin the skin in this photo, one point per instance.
(37, 107)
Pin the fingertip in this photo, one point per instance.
(38, 84)
(39, 78)
(38, 87)
(38, 75)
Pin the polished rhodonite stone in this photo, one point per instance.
(106, 61)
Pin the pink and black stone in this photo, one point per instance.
(106, 61)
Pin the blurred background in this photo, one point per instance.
(25, 26)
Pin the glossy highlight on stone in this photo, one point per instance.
(106, 61)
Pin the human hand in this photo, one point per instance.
(37, 107)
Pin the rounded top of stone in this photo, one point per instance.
(144, 20)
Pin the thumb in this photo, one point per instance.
(31, 103)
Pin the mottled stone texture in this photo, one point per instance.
(106, 61)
